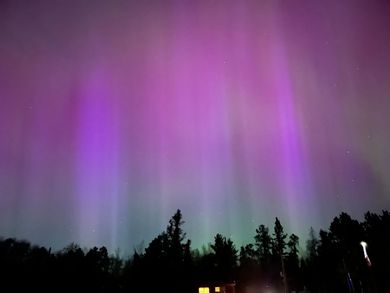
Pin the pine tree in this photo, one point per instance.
(279, 248)
(263, 244)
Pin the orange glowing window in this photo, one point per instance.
(217, 289)
(204, 290)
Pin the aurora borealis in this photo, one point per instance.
(113, 114)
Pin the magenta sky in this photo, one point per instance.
(113, 114)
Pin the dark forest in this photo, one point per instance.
(349, 256)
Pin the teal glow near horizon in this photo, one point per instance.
(114, 114)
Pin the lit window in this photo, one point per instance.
(204, 290)
(217, 289)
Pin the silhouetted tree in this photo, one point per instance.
(167, 259)
(247, 256)
(347, 234)
(279, 246)
(312, 244)
(157, 251)
(263, 243)
(97, 259)
(292, 267)
(175, 237)
(334, 261)
(116, 264)
(248, 271)
(376, 231)
(72, 267)
(292, 245)
(310, 264)
(330, 266)
(204, 265)
(225, 257)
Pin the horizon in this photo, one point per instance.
(203, 248)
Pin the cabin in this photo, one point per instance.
(218, 288)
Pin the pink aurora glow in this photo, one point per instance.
(115, 114)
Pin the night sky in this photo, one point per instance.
(113, 114)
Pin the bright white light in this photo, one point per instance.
(364, 245)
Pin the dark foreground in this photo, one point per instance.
(350, 256)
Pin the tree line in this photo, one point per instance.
(335, 260)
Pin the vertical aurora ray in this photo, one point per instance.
(295, 182)
(96, 162)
